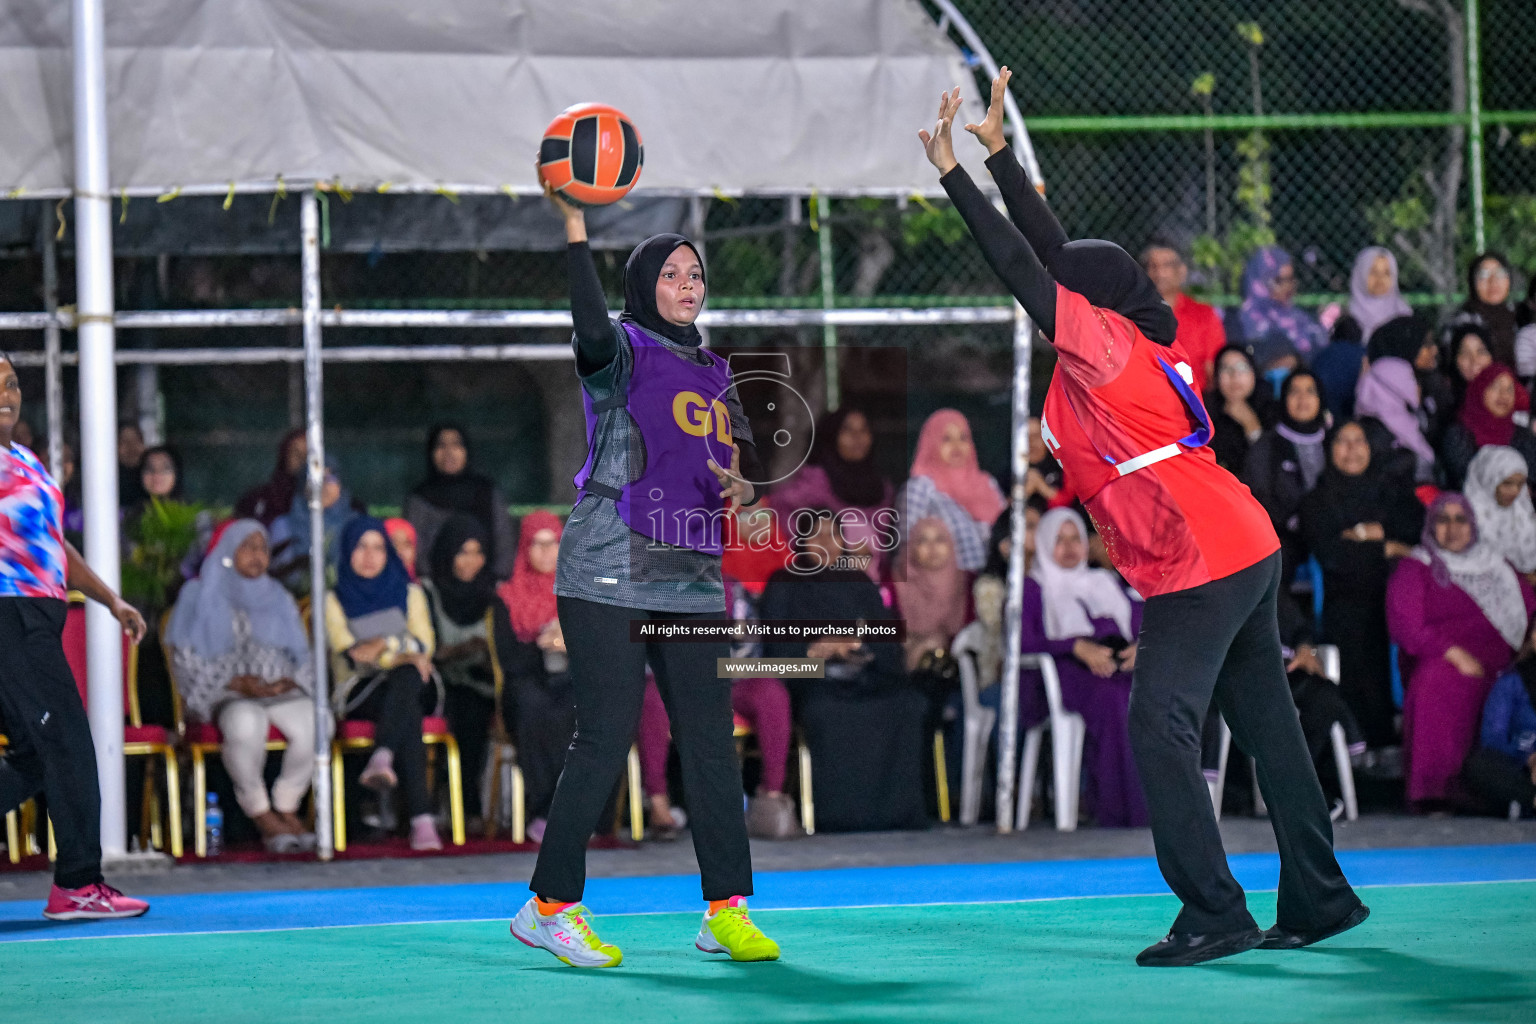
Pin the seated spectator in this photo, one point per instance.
(1269, 289)
(1200, 334)
(1237, 406)
(1274, 357)
(1525, 337)
(465, 608)
(538, 706)
(948, 482)
(402, 537)
(130, 453)
(1488, 306)
(1501, 501)
(1502, 770)
(451, 487)
(1286, 462)
(931, 590)
(1338, 368)
(1387, 405)
(290, 533)
(841, 474)
(864, 722)
(1459, 613)
(1043, 480)
(1374, 298)
(1087, 621)
(1487, 417)
(1356, 522)
(379, 628)
(763, 704)
(159, 477)
(243, 663)
(754, 545)
(1318, 700)
(272, 500)
(1410, 339)
(1467, 355)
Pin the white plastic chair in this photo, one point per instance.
(976, 721)
(1068, 733)
(1328, 655)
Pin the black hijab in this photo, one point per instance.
(641, 272)
(1317, 422)
(465, 491)
(1109, 277)
(464, 603)
(855, 483)
(1401, 337)
(1498, 318)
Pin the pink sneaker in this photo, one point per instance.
(379, 772)
(91, 903)
(424, 834)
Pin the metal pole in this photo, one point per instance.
(98, 413)
(309, 214)
(1475, 125)
(828, 298)
(53, 358)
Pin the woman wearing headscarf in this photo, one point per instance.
(242, 662)
(1374, 297)
(1506, 521)
(470, 627)
(1459, 613)
(931, 590)
(379, 628)
(1487, 417)
(1123, 418)
(841, 474)
(1083, 617)
(291, 537)
(1488, 286)
(1240, 407)
(873, 783)
(1467, 354)
(273, 498)
(403, 536)
(1410, 339)
(537, 704)
(1387, 401)
(669, 454)
(1269, 288)
(946, 481)
(1525, 336)
(1287, 461)
(452, 488)
(1357, 522)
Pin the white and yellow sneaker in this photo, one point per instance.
(567, 934)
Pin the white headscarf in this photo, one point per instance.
(1510, 531)
(1074, 597)
(1479, 570)
(1371, 311)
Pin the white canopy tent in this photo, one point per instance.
(771, 97)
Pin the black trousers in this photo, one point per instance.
(608, 675)
(50, 736)
(1221, 639)
(542, 718)
(1499, 779)
(395, 707)
(469, 715)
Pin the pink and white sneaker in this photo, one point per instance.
(91, 903)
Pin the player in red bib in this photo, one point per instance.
(1130, 432)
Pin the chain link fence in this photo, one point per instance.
(1216, 126)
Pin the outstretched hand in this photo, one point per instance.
(940, 145)
(736, 487)
(990, 131)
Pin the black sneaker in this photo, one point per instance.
(1283, 938)
(1178, 950)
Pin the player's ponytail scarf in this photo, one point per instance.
(971, 487)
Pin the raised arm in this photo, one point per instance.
(1005, 248)
(1026, 206)
(595, 340)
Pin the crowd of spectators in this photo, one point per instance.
(1393, 456)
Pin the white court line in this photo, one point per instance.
(663, 913)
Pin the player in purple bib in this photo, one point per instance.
(669, 455)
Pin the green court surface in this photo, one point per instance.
(1451, 953)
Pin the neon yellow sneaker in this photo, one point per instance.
(566, 934)
(732, 931)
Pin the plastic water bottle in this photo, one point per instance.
(215, 819)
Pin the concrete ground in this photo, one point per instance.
(940, 845)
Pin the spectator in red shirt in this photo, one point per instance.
(1201, 334)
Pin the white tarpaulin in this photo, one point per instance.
(740, 96)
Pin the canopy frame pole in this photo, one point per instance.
(1475, 125)
(309, 229)
(828, 299)
(53, 354)
(98, 414)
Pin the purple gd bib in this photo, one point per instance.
(679, 408)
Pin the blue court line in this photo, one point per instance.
(777, 890)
